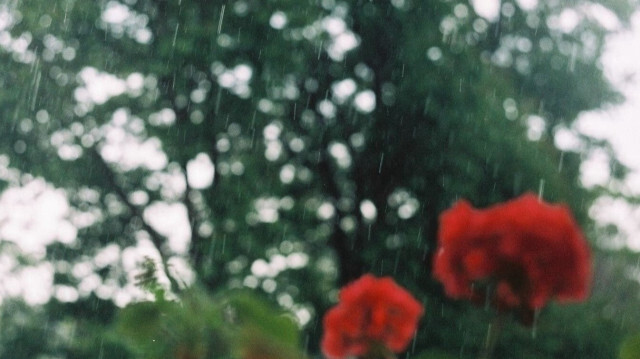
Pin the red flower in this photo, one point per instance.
(519, 254)
(371, 312)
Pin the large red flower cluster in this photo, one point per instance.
(372, 312)
(518, 255)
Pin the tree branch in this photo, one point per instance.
(157, 239)
(182, 115)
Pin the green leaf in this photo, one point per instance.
(140, 321)
(160, 329)
(262, 330)
(630, 348)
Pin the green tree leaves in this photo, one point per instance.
(197, 325)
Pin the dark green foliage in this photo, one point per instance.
(232, 324)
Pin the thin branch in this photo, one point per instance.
(182, 115)
(157, 239)
(196, 239)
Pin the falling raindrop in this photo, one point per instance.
(561, 163)
(573, 58)
(319, 50)
(36, 88)
(221, 19)
(534, 326)
(175, 35)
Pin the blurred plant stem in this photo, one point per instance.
(379, 351)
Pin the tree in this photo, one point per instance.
(338, 132)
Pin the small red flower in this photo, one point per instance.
(519, 254)
(371, 312)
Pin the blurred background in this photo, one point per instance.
(289, 146)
